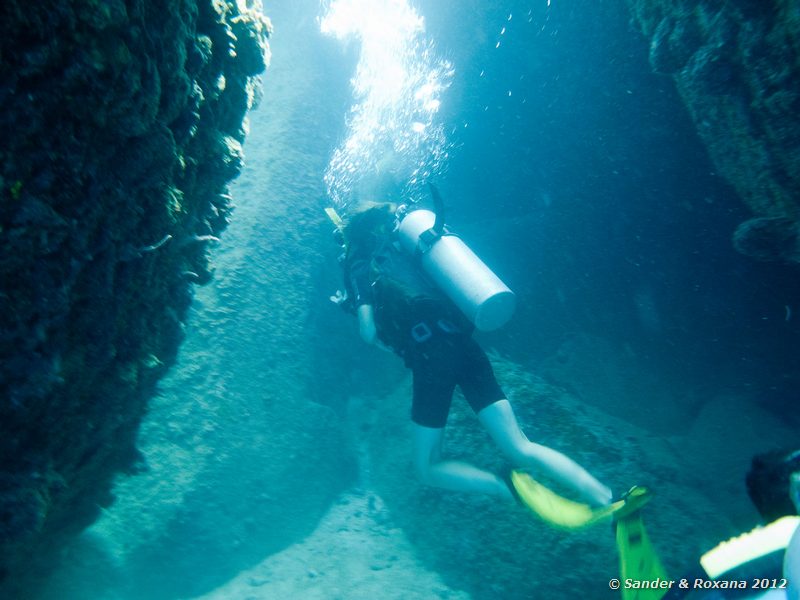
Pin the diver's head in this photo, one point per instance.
(773, 483)
(368, 225)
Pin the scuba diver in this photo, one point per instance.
(761, 564)
(400, 309)
(765, 562)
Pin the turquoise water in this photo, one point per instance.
(643, 344)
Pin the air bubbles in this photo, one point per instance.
(393, 143)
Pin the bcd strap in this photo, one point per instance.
(430, 236)
(427, 239)
(438, 207)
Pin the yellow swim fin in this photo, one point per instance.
(568, 514)
(639, 562)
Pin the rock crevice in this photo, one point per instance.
(736, 65)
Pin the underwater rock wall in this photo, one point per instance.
(245, 443)
(123, 124)
(736, 65)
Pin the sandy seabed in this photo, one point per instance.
(355, 553)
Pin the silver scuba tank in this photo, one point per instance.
(458, 272)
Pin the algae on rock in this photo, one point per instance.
(114, 174)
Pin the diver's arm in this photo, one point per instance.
(366, 326)
(360, 290)
(357, 275)
(366, 323)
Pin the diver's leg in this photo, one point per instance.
(451, 474)
(499, 420)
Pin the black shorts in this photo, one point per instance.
(441, 363)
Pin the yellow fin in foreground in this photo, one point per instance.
(568, 514)
(639, 562)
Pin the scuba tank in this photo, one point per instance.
(455, 269)
(459, 273)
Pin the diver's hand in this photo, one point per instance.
(339, 297)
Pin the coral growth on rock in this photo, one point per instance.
(736, 65)
(123, 124)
